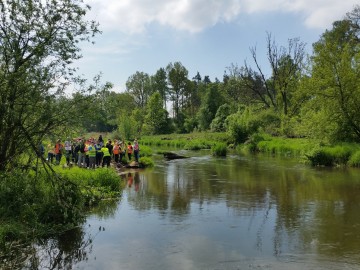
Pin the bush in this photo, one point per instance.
(329, 156)
(219, 149)
(248, 121)
(320, 157)
(354, 160)
(39, 200)
(145, 151)
(197, 145)
(146, 162)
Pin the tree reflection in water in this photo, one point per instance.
(58, 252)
(61, 252)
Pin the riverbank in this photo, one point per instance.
(313, 152)
(48, 201)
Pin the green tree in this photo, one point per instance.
(177, 77)
(287, 65)
(159, 83)
(156, 120)
(139, 85)
(218, 123)
(212, 101)
(127, 125)
(38, 42)
(335, 83)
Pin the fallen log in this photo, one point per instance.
(171, 155)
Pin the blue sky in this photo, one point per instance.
(204, 35)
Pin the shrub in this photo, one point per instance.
(197, 145)
(146, 162)
(354, 160)
(320, 157)
(145, 151)
(329, 156)
(219, 149)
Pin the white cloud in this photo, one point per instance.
(133, 16)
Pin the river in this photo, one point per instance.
(238, 212)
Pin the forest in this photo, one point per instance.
(307, 96)
(314, 96)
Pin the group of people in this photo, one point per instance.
(93, 153)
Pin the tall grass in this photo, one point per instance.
(354, 160)
(95, 185)
(36, 203)
(285, 146)
(219, 149)
(192, 141)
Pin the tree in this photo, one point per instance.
(212, 101)
(178, 77)
(159, 83)
(38, 42)
(218, 123)
(139, 86)
(286, 65)
(156, 119)
(127, 125)
(335, 82)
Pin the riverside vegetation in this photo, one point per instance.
(309, 108)
(310, 151)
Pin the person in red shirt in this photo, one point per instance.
(116, 152)
(58, 151)
(129, 150)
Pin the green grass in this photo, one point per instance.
(36, 204)
(192, 141)
(95, 185)
(219, 149)
(313, 152)
(354, 160)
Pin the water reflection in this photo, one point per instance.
(285, 208)
(61, 252)
(211, 213)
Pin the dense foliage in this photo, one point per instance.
(308, 96)
(39, 43)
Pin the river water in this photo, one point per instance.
(238, 212)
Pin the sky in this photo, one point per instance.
(206, 36)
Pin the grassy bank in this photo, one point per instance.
(192, 141)
(309, 151)
(313, 152)
(35, 204)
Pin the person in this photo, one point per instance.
(106, 156)
(99, 154)
(87, 143)
(110, 147)
(58, 151)
(41, 150)
(129, 150)
(92, 155)
(51, 153)
(122, 150)
(116, 152)
(74, 155)
(100, 140)
(81, 153)
(136, 150)
(68, 150)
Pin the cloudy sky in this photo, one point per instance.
(204, 35)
